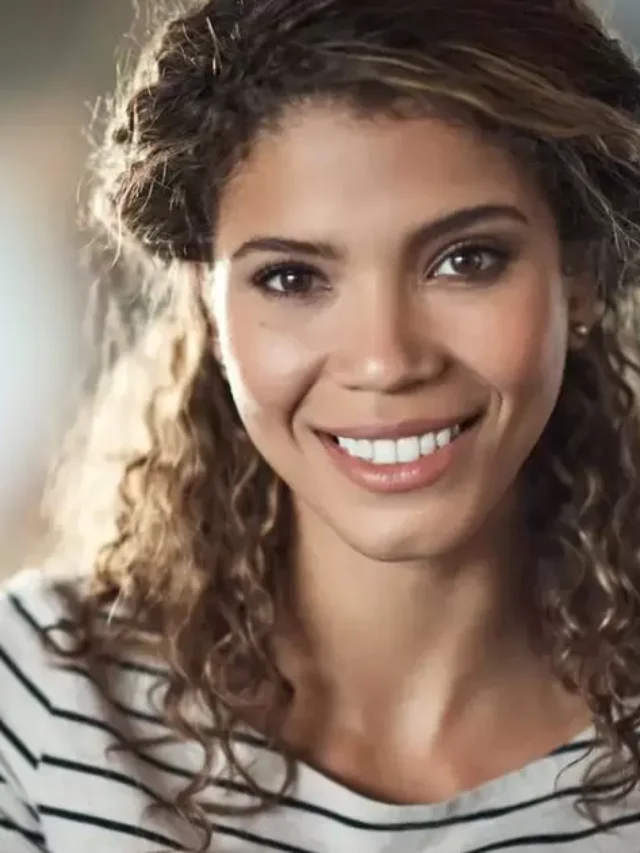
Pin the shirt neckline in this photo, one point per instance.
(533, 781)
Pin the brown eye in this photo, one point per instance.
(471, 262)
(287, 280)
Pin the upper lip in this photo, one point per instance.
(403, 429)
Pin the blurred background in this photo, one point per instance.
(57, 58)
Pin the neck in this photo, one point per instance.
(372, 637)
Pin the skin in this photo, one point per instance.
(402, 623)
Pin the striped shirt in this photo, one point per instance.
(62, 789)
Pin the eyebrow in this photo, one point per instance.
(435, 230)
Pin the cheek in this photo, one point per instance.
(519, 346)
(269, 368)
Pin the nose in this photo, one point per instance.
(388, 345)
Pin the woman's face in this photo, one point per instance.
(393, 320)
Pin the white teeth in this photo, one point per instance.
(443, 437)
(384, 451)
(428, 443)
(408, 449)
(364, 449)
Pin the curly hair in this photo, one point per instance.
(199, 528)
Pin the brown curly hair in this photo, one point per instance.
(199, 531)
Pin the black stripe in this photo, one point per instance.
(29, 835)
(6, 732)
(128, 711)
(576, 746)
(84, 719)
(259, 839)
(109, 775)
(114, 776)
(22, 678)
(139, 668)
(558, 838)
(471, 817)
(34, 814)
(32, 811)
(407, 826)
(73, 717)
(112, 825)
(24, 613)
(119, 777)
(79, 670)
(54, 711)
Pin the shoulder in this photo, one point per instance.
(45, 698)
(30, 604)
(59, 770)
(38, 678)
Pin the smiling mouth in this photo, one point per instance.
(404, 450)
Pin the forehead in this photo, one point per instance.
(324, 167)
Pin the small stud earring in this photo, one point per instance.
(579, 335)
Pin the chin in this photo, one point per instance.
(406, 545)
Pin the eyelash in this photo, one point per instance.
(501, 257)
(263, 276)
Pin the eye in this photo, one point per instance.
(472, 262)
(289, 280)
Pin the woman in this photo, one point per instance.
(371, 581)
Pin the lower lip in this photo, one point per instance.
(403, 476)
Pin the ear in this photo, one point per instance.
(583, 302)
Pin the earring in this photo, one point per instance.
(580, 330)
(580, 333)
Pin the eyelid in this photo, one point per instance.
(287, 263)
(261, 276)
(502, 247)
